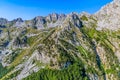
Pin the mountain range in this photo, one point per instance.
(62, 46)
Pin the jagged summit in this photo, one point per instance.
(107, 18)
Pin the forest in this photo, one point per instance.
(75, 71)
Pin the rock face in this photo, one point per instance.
(39, 22)
(52, 17)
(17, 22)
(109, 16)
(74, 19)
(59, 41)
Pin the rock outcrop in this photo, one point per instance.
(3, 21)
(109, 16)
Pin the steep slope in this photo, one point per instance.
(109, 16)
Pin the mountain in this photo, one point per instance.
(62, 47)
(109, 16)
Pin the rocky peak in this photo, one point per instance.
(109, 16)
(3, 21)
(73, 15)
(18, 20)
(74, 19)
(62, 16)
(52, 17)
(39, 19)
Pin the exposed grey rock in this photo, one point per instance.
(52, 17)
(3, 21)
(66, 31)
(109, 16)
(74, 19)
(39, 22)
(29, 67)
(18, 20)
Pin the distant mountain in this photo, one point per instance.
(62, 47)
(52, 20)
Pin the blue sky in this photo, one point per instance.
(28, 9)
